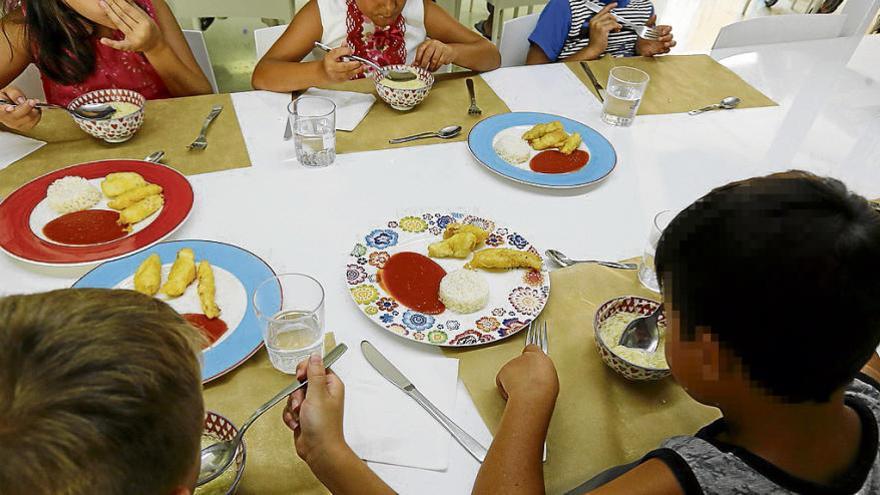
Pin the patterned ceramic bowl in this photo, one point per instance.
(405, 99)
(629, 304)
(218, 427)
(116, 130)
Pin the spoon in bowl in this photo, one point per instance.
(563, 261)
(642, 333)
(216, 457)
(93, 111)
(727, 103)
(447, 132)
(394, 75)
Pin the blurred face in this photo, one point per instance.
(91, 10)
(381, 12)
(694, 364)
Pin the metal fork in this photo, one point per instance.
(201, 142)
(644, 32)
(474, 109)
(538, 337)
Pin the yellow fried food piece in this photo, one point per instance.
(207, 289)
(118, 182)
(504, 258)
(571, 143)
(141, 210)
(455, 228)
(183, 272)
(551, 140)
(132, 196)
(458, 246)
(542, 129)
(148, 276)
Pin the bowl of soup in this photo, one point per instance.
(122, 124)
(404, 95)
(634, 364)
(218, 428)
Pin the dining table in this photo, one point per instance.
(301, 219)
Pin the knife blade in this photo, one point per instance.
(598, 87)
(390, 372)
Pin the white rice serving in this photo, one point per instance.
(464, 291)
(72, 193)
(512, 148)
(612, 328)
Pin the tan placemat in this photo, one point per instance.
(446, 104)
(601, 419)
(169, 125)
(679, 83)
(272, 465)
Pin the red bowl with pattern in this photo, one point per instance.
(112, 130)
(218, 428)
(405, 98)
(629, 304)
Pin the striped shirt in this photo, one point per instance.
(564, 28)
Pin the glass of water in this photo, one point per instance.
(626, 86)
(647, 275)
(314, 130)
(290, 308)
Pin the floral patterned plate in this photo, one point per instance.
(516, 297)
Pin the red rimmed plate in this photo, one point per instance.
(19, 240)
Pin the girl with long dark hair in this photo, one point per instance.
(85, 45)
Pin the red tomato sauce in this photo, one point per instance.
(211, 329)
(414, 281)
(85, 227)
(555, 162)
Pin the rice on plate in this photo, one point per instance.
(72, 193)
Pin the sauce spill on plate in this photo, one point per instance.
(556, 162)
(212, 329)
(85, 227)
(414, 281)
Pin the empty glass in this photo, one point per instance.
(313, 119)
(626, 86)
(647, 275)
(290, 308)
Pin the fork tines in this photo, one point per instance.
(536, 336)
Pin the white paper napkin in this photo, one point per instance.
(14, 147)
(382, 423)
(351, 108)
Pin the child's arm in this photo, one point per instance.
(513, 464)
(653, 477)
(23, 115)
(872, 367)
(280, 68)
(451, 43)
(601, 25)
(649, 48)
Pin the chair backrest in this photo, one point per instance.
(780, 29)
(859, 15)
(264, 38)
(196, 42)
(29, 83)
(514, 42)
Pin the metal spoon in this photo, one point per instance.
(727, 103)
(642, 333)
(394, 75)
(216, 457)
(447, 132)
(93, 111)
(155, 157)
(563, 260)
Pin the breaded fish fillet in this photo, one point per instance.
(504, 258)
(183, 272)
(119, 182)
(458, 246)
(207, 290)
(551, 140)
(141, 210)
(132, 196)
(148, 276)
(542, 129)
(455, 228)
(571, 144)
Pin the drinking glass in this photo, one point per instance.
(314, 130)
(647, 275)
(626, 86)
(290, 308)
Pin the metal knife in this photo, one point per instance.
(381, 364)
(599, 89)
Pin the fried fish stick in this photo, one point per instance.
(571, 143)
(148, 276)
(183, 272)
(458, 246)
(132, 196)
(551, 140)
(118, 182)
(141, 210)
(542, 129)
(504, 258)
(207, 289)
(455, 228)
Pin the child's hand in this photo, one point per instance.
(433, 54)
(315, 414)
(20, 117)
(649, 48)
(338, 70)
(601, 25)
(530, 377)
(141, 32)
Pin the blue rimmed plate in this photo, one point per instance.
(237, 273)
(602, 160)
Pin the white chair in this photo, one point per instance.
(780, 29)
(501, 6)
(264, 38)
(29, 83)
(514, 43)
(196, 42)
(859, 16)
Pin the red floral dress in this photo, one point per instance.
(382, 46)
